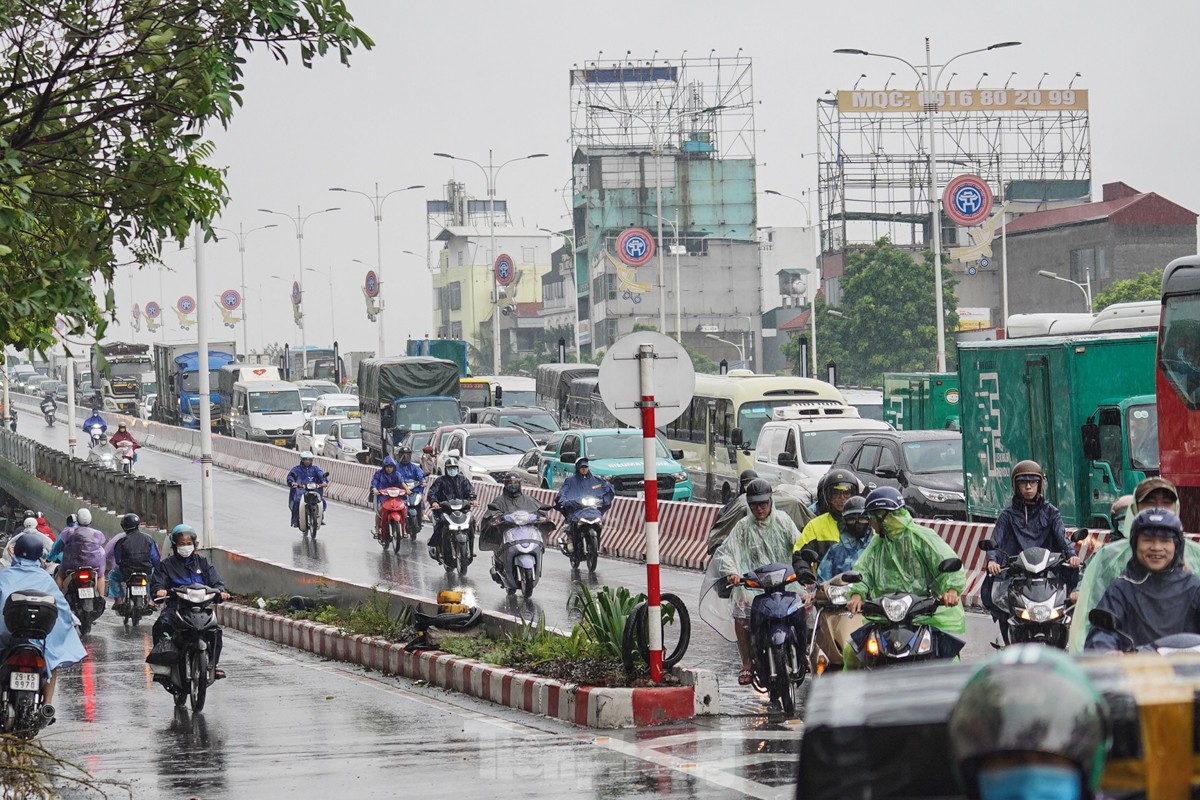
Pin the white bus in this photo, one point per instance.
(266, 411)
(515, 391)
(718, 431)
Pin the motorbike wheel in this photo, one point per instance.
(24, 719)
(414, 526)
(85, 624)
(314, 523)
(593, 552)
(527, 582)
(462, 557)
(198, 679)
(397, 535)
(783, 688)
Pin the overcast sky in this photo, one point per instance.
(464, 77)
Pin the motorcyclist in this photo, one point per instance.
(1155, 596)
(451, 486)
(132, 550)
(123, 435)
(764, 537)
(744, 479)
(1111, 559)
(63, 647)
(855, 532)
(1030, 521)
(182, 568)
(100, 448)
(29, 528)
(903, 557)
(510, 500)
(95, 419)
(83, 547)
(49, 405)
(302, 474)
(1029, 723)
(575, 488)
(55, 553)
(406, 469)
(833, 490)
(44, 527)
(1097, 538)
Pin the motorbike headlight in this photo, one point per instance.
(590, 502)
(1039, 612)
(896, 609)
(941, 495)
(527, 547)
(838, 595)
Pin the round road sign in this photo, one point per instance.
(505, 272)
(153, 310)
(231, 299)
(635, 247)
(371, 284)
(967, 200)
(186, 304)
(674, 378)
(295, 293)
(137, 310)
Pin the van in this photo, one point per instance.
(266, 411)
(798, 445)
(227, 376)
(345, 405)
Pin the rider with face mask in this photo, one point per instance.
(510, 500)
(304, 473)
(575, 488)
(451, 486)
(855, 530)
(182, 568)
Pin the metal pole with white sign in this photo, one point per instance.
(208, 531)
(71, 406)
(660, 395)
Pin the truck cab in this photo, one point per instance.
(1120, 443)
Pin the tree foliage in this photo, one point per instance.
(1147, 286)
(889, 317)
(104, 106)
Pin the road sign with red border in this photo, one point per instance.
(635, 247)
(504, 269)
(295, 293)
(153, 310)
(231, 299)
(371, 284)
(967, 200)
(186, 304)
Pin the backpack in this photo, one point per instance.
(135, 553)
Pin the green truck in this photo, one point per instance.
(921, 401)
(1081, 406)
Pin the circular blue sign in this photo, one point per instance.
(984, 263)
(504, 270)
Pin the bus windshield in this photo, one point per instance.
(753, 415)
(475, 395)
(1179, 353)
(1142, 422)
(425, 415)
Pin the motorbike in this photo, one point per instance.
(455, 528)
(182, 663)
(891, 636)
(104, 456)
(393, 513)
(777, 634)
(311, 512)
(1176, 643)
(832, 624)
(12, 420)
(48, 413)
(582, 542)
(413, 500)
(1034, 596)
(517, 562)
(94, 434)
(82, 598)
(30, 617)
(125, 452)
(136, 603)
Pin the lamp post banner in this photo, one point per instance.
(186, 304)
(967, 200)
(371, 284)
(504, 269)
(153, 310)
(231, 299)
(296, 293)
(635, 247)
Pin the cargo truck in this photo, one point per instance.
(1081, 406)
(177, 367)
(116, 375)
(399, 396)
(921, 401)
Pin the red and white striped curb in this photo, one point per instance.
(587, 706)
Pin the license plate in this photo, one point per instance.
(24, 681)
(281, 442)
(138, 591)
(86, 592)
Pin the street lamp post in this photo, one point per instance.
(377, 206)
(741, 348)
(811, 279)
(298, 221)
(930, 84)
(492, 172)
(242, 235)
(676, 251)
(1085, 287)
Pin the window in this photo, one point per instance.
(887, 458)
(528, 255)
(456, 330)
(454, 295)
(1090, 263)
(865, 461)
(790, 447)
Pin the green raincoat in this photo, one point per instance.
(906, 560)
(1103, 568)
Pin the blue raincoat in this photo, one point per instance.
(63, 648)
(842, 556)
(578, 487)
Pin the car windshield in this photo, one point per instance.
(1143, 437)
(934, 455)
(353, 431)
(324, 387)
(309, 393)
(819, 447)
(620, 446)
(323, 426)
(497, 444)
(538, 423)
(752, 416)
(280, 402)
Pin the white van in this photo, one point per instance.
(798, 445)
(266, 411)
(343, 405)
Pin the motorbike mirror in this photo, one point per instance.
(950, 565)
(806, 576)
(427, 450)
(1080, 534)
(1104, 620)
(987, 545)
(851, 577)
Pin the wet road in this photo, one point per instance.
(285, 723)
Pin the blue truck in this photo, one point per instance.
(177, 368)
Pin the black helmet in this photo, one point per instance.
(72, 521)
(838, 477)
(1158, 522)
(29, 513)
(130, 522)
(745, 478)
(29, 546)
(404, 450)
(759, 491)
(856, 507)
(885, 498)
(1030, 699)
(512, 484)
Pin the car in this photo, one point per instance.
(434, 447)
(310, 390)
(339, 404)
(615, 454)
(484, 451)
(798, 445)
(311, 435)
(53, 387)
(60, 393)
(344, 440)
(34, 383)
(529, 468)
(537, 422)
(926, 466)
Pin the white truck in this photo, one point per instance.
(798, 445)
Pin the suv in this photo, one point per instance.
(926, 466)
(615, 454)
(798, 445)
(537, 422)
(484, 450)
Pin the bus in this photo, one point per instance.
(585, 407)
(510, 391)
(323, 363)
(1177, 384)
(718, 430)
(553, 380)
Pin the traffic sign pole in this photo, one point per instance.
(646, 358)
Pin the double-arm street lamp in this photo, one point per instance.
(1086, 287)
(930, 84)
(298, 221)
(741, 348)
(241, 234)
(377, 200)
(491, 172)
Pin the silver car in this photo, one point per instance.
(344, 440)
(311, 435)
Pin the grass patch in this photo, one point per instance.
(370, 618)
